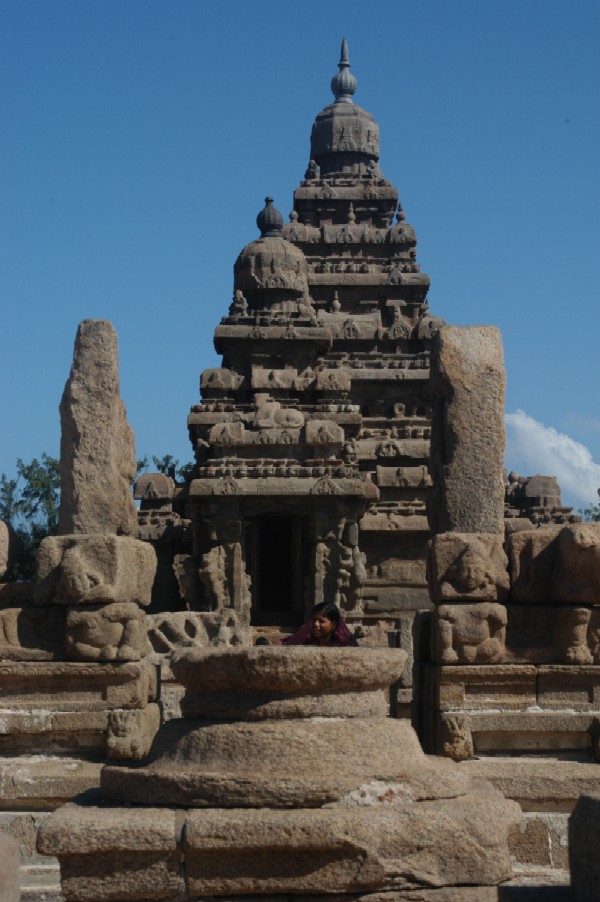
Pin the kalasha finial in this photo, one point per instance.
(344, 83)
(269, 220)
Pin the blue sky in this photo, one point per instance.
(140, 138)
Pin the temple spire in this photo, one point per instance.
(344, 84)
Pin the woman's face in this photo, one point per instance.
(322, 627)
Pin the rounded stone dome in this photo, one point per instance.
(344, 136)
(270, 267)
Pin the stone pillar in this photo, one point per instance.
(467, 441)
(96, 568)
(467, 566)
(97, 450)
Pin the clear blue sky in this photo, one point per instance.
(140, 138)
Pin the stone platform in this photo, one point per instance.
(301, 785)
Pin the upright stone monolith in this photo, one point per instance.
(97, 451)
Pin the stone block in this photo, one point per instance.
(323, 432)
(474, 688)
(97, 450)
(79, 687)
(31, 633)
(467, 438)
(111, 632)
(111, 853)
(218, 382)
(541, 840)
(578, 572)
(130, 733)
(569, 687)
(175, 630)
(94, 569)
(340, 850)
(469, 633)
(553, 634)
(44, 781)
(552, 732)
(584, 842)
(536, 783)
(59, 732)
(463, 566)
(233, 852)
(532, 555)
(338, 380)
(510, 731)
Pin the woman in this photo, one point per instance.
(326, 627)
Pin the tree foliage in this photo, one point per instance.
(30, 503)
(166, 464)
(591, 514)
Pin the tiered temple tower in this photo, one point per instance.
(312, 439)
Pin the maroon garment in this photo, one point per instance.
(341, 636)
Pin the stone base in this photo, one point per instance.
(497, 709)
(63, 707)
(113, 853)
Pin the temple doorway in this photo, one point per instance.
(275, 554)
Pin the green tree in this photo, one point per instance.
(30, 503)
(166, 464)
(591, 514)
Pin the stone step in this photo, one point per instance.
(41, 894)
(40, 875)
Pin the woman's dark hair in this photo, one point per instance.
(330, 610)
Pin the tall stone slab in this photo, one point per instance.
(467, 442)
(97, 452)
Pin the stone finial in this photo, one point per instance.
(97, 452)
(344, 84)
(269, 220)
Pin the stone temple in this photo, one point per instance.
(350, 450)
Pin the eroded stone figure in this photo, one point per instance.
(95, 569)
(113, 632)
(469, 566)
(470, 634)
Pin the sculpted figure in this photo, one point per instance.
(114, 632)
(130, 732)
(94, 569)
(313, 171)
(212, 576)
(467, 566)
(456, 739)
(470, 634)
(572, 635)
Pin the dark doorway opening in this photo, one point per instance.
(275, 557)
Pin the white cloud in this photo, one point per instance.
(533, 448)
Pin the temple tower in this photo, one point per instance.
(312, 438)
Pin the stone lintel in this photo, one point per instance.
(272, 333)
(395, 523)
(320, 488)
